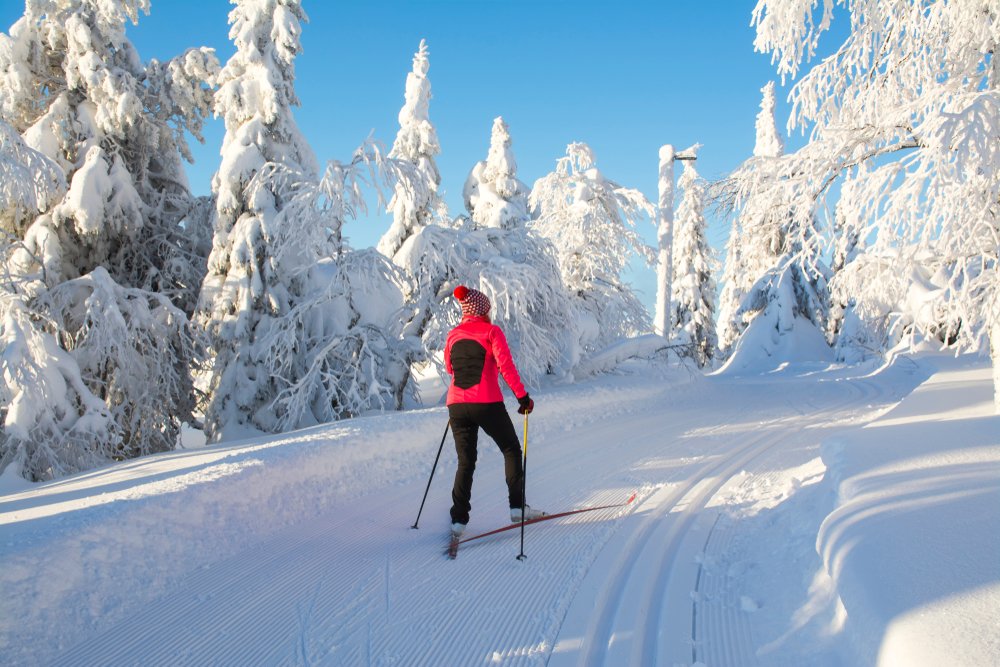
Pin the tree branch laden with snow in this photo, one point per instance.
(908, 108)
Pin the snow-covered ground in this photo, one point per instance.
(814, 514)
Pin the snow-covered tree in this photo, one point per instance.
(745, 263)
(494, 196)
(30, 183)
(495, 251)
(664, 240)
(333, 348)
(727, 327)
(909, 108)
(302, 328)
(591, 222)
(415, 203)
(95, 255)
(774, 235)
(75, 89)
(247, 290)
(693, 299)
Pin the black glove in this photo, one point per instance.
(527, 405)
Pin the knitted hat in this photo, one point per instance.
(473, 301)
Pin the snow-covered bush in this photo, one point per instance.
(326, 342)
(590, 221)
(693, 287)
(894, 297)
(92, 372)
(778, 329)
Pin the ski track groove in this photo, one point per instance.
(600, 636)
(722, 631)
(601, 645)
(286, 610)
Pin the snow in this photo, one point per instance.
(914, 540)
(814, 514)
(765, 346)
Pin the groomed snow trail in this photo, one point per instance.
(633, 586)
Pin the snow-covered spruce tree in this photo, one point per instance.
(693, 287)
(415, 204)
(776, 239)
(590, 221)
(494, 251)
(74, 89)
(733, 290)
(745, 263)
(245, 292)
(494, 196)
(303, 329)
(909, 107)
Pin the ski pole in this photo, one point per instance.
(419, 512)
(524, 485)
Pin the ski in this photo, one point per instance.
(453, 548)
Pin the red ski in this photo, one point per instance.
(453, 547)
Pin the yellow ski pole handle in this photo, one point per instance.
(525, 434)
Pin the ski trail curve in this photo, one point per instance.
(642, 608)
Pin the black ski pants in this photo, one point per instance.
(466, 420)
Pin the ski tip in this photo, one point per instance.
(631, 498)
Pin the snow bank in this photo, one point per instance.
(642, 347)
(913, 545)
(766, 345)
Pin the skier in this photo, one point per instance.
(475, 353)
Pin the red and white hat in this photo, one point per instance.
(473, 301)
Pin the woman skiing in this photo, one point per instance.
(475, 353)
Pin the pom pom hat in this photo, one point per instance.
(474, 302)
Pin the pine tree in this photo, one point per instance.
(494, 197)
(303, 329)
(693, 299)
(495, 251)
(96, 316)
(246, 291)
(415, 202)
(780, 253)
(728, 328)
(590, 221)
(747, 256)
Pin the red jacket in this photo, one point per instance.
(475, 353)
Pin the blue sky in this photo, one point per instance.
(624, 77)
